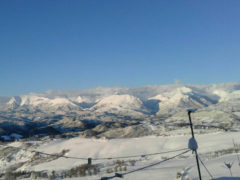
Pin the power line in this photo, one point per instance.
(143, 168)
(48, 154)
(205, 168)
(104, 158)
(140, 155)
(154, 164)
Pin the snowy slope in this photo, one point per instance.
(179, 99)
(118, 103)
(35, 101)
(100, 148)
(226, 96)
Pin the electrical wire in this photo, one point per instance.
(48, 154)
(141, 155)
(104, 158)
(154, 164)
(205, 168)
(143, 168)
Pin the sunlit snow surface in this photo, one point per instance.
(98, 148)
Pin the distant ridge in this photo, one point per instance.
(121, 111)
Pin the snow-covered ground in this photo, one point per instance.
(103, 148)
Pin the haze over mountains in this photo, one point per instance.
(120, 111)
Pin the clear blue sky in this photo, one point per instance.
(78, 44)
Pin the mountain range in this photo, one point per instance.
(120, 111)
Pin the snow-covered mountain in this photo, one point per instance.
(40, 102)
(119, 104)
(156, 100)
(56, 122)
(180, 99)
(101, 109)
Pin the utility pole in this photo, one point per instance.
(194, 142)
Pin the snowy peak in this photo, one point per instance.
(226, 96)
(179, 99)
(120, 100)
(154, 100)
(14, 102)
(61, 102)
(79, 99)
(38, 101)
(175, 95)
(32, 100)
(118, 103)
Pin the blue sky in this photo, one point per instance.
(84, 44)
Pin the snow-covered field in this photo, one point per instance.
(103, 148)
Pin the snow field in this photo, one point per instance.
(103, 148)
